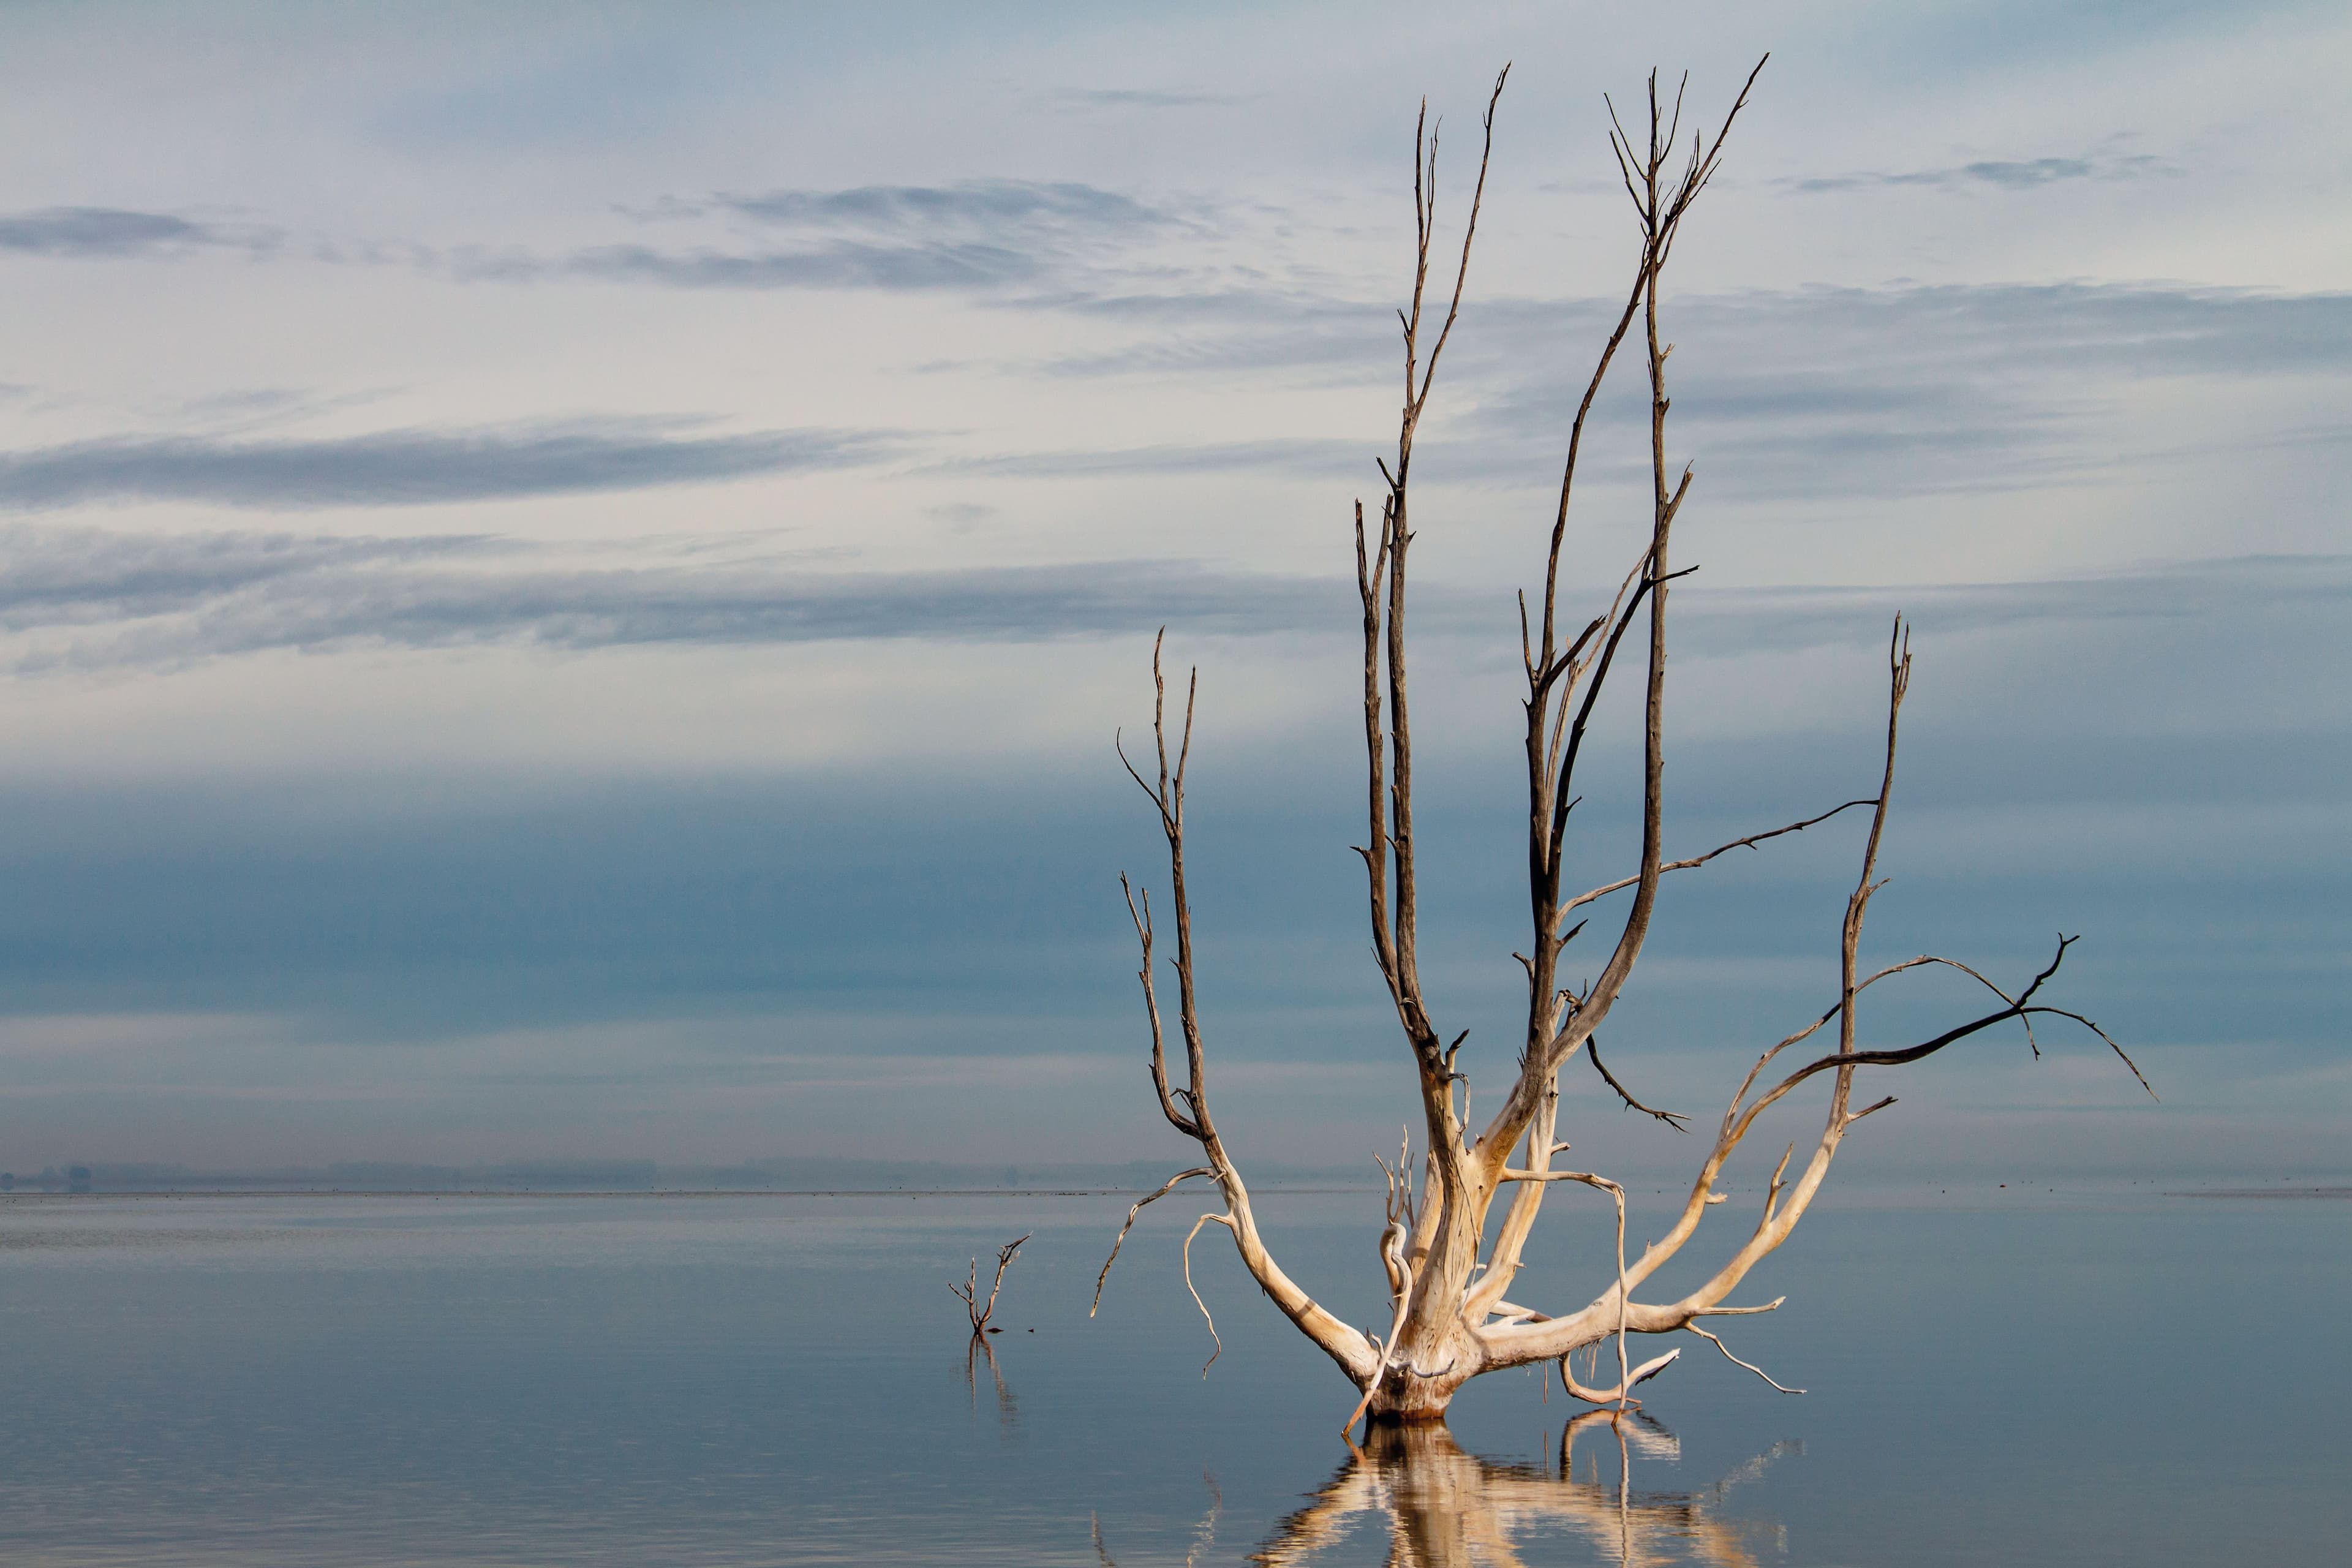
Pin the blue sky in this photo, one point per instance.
(567, 574)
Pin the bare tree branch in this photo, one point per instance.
(1345, 1345)
(1218, 1343)
(1702, 1333)
(1449, 1292)
(969, 1292)
(1165, 1188)
(1671, 1118)
(1750, 842)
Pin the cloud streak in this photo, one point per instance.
(1729, 623)
(1819, 392)
(990, 204)
(1992, 173)
(2139, 328)
(842, 265)
(83, 232)
(415, 468)
(86, 599)
(56, 576)
(1293, 456)
(973, 235)
(90, 599)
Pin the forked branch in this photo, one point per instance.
(1514, 1343)
(1187, 1108)
(1452, 1317)
(1165, 1188)
(969, 1291)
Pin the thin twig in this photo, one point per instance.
(1674, 1119)
(1750, 842)
(1751, 1366)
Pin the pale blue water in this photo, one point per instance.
(1995, 1377)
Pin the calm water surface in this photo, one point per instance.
(1993, 1376)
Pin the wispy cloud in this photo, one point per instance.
(1993, 173)
(77, 598)
(1975, 388)
(89, 577)
(2140, 328)
(1144, 98)
(971, 236)
(1731, 622)
(1819, 392)
(87, 598)
(415, 468)
(974, 236)
(839, 265)
(103, 232)
(968, 203)
(1295, 456)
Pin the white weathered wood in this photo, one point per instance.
(1443, 1291)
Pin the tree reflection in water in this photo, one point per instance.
(1204, 1534)
(1008, 1409)
(1447, 1509)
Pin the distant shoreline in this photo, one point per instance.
(617, 1193)
(45, 1196)
(2297, 1193)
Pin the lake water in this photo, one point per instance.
(1995, 1376)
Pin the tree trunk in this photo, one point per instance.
(1406, 1398)
(1448, 1279)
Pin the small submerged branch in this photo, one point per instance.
(1626, 1383)
(969, 1291)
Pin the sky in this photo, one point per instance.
(568, 576)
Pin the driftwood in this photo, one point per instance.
(1448, 1279)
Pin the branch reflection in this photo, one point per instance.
(1446, 1508)
(1008, 1409)
(1204, 1534)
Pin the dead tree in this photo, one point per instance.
(969, 1291)
(1451, 1280)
